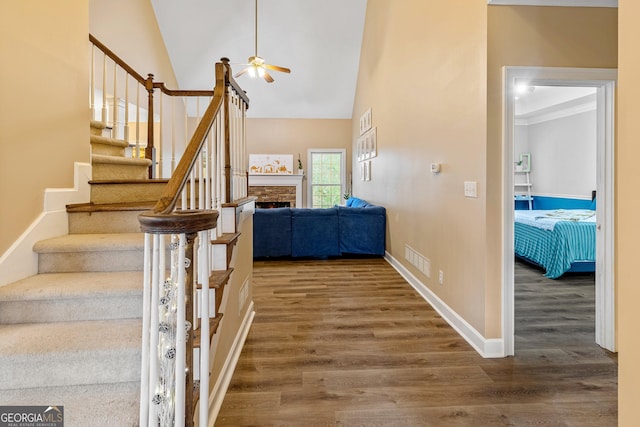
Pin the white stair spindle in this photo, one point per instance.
(205, 332)
(181, 341)
(105, 109)
(145, 395)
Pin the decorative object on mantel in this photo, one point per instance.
(300, 169)
(271, 164)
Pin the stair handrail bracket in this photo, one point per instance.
(180, 313)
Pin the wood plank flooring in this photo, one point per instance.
(350, 343)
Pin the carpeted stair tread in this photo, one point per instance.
(65, 297)
(70, 337)
(70, 353)
(95, 405)
(127, 181)
(110, 207)
(73, 285)
(96, 124)
(112, 242)
(117, 160)
(105, 140)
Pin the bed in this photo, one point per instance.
(560, 241)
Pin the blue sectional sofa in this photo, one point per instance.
(356, 228)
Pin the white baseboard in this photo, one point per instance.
(487, 348)
(222, 383)
(19, 261)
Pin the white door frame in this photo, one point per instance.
(604, 80)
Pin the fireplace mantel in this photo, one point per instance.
(279, 180)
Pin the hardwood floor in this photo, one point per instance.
(350, 343)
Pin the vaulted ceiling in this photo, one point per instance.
(318, 39)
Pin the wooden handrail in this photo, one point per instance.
(171, 193)
(150, 86)
(169, 198)
(115, 58)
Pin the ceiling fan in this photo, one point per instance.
(256, 66)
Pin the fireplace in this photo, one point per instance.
(271, 205)
(276, 190)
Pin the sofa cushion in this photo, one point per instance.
(314, 232)
(272, 232)
(362, 230)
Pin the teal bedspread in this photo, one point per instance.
(555, 239)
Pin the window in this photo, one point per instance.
(326, 177)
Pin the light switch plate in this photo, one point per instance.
(470, 189)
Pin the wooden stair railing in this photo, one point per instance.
(182, 292)
(167, 393)
(168, 122)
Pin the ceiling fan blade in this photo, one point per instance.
(239, 73)
(277, 68)
(268, 77)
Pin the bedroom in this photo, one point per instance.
(555, 177)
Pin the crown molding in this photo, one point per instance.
(565, 109)
(564, 3)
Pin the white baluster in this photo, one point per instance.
(205, 346)
(105, 109)
(137, 154)
(92, 83)
(181, 341)
(126, 107)
(158, 253)
(145, 395)
(173, 139)
(116, 125)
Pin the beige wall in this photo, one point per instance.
(293, 136)
(423, 73)
(533, 36)
(44, 111)
(441, 102)
(129, 29)
(627, 208)
(44, 115)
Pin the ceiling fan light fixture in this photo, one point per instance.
(256, 66)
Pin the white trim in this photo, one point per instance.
(343, 171)
(556, 112)
(19, 261)
(487, 348)
(279, 180)
(605, 250)
(564, 3)
(604, 81)
(216, 397)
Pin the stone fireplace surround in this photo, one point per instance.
(277, 188)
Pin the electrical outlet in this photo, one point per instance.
(441, 277)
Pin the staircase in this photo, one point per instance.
(71, 335)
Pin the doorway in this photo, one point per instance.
(603, 81)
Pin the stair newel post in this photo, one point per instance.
(224, 73)
(189, 328)
(149, 151)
